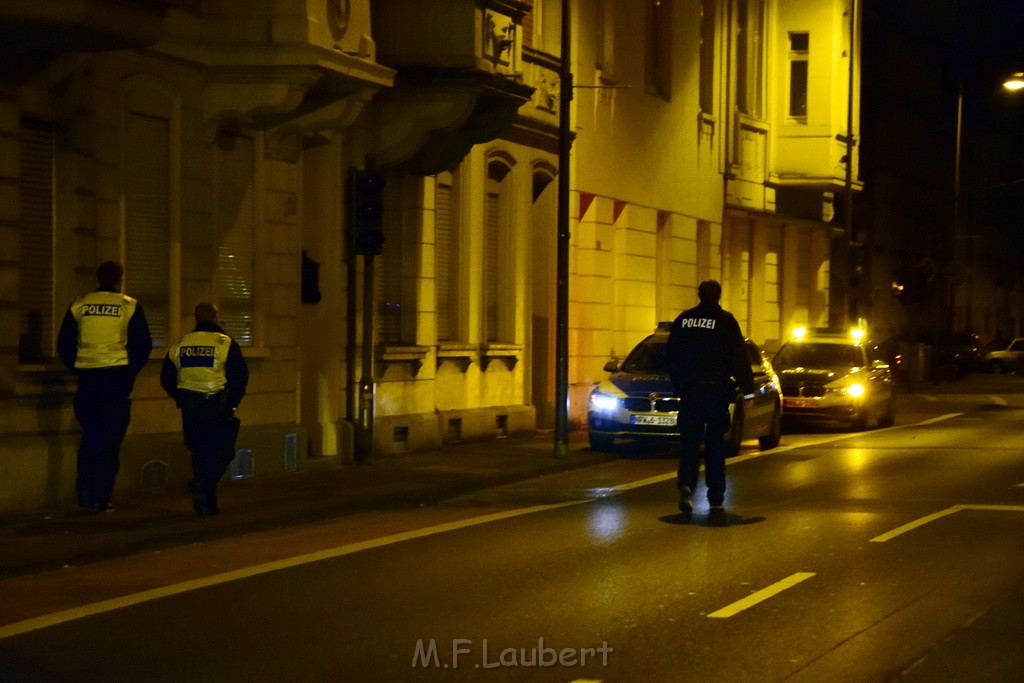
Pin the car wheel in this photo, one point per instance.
(772, 438)
(996, 367)
(601, 442)
(888, 418)
(860, 421)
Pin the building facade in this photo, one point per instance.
(208, 144)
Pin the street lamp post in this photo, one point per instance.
(562, 293)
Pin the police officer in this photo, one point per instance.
(103, 339)
(707, 359)
(206, 375)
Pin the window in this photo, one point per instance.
(35, 232)
(659, 48)
(146, 215)
(707, 57)
(495, 231)
(750, 57)
(234, 227)
(444, 258)
(799, 45)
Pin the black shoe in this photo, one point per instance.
(685, 500)
(717, 516)
(205, 505)
(97, 508)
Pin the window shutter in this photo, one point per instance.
(147, 223)
(491, 268)
(443, 260)
(36, 235)
(235, 223)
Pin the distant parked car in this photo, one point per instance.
(1005, 356)
(948, 355)
(637, 400)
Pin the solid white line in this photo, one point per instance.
(47, 620)
(933, 420)
(913, 525)
(760, 595)
(942, 513)
(658, 478)
(55, 618)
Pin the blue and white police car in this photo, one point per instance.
(637, 400)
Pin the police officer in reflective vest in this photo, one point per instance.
(707, 360)
(206, 375)
(103, 339)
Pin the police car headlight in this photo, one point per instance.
(603, 402)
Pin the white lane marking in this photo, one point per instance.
(933, 420)
(1019, 485)
(47, 620)
(998, 400)
(658, 478)
(888, 536)
(760, 596)
(56, 618)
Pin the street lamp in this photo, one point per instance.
(1015, 82)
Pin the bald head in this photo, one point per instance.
(206, 312)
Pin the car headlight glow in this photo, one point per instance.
(855, 390)
(603, 402)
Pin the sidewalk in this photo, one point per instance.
(38, 540)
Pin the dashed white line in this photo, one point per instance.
(760, 596)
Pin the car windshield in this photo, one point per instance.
(818, 355)
(648, 356)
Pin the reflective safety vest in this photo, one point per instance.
(200, 358)
(102, 319)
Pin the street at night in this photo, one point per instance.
(889, 554)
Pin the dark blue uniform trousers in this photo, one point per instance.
(210, 431)
(103, 409)
(704, 417)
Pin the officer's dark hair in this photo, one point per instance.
(710, 291)
(205, 312)
(109, 274)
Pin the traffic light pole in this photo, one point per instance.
(562, 295)
(364, 429)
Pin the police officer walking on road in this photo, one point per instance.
(707, 359)
(206, 375)
(103, 339)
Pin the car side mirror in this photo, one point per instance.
(611, 366)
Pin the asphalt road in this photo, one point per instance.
(892, 554)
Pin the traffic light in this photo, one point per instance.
(365, 212)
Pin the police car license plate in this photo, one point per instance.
(799, 403)
(655, 420)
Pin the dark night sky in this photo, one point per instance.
(916, 53)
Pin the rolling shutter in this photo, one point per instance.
(35, 298)
(147, 223)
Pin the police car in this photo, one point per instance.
(637, 400)
(830, 375)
